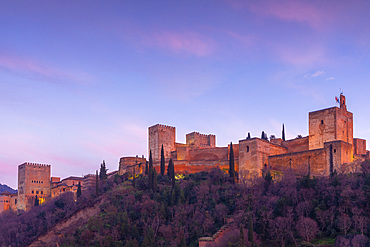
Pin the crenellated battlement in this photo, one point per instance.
(35, 164)
(201, 135)
(162, 126)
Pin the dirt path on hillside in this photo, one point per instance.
(68, 226)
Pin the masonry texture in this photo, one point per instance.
(330, 146)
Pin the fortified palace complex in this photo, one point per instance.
(329, 146)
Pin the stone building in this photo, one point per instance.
(33, 179)
(8, 201)
(330, 146)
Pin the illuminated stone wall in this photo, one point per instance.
(33, 179)
(330, 125)
(158, 135)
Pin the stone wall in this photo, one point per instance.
(158, 135)
(200, 140)
(126, 165)
(33, 179)
(254, 155)
(296, 145)
(304, 162)
(359, 146)
(330, 125)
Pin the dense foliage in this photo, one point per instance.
(278, 213)
(265, 212)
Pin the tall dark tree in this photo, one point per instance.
(249, 136)
(283, 133)
(169, 168)
(173, 175)
(241, 237)
(171, 172)
(155, 182)
(146, 168)
(150, 170)
(37, 201)
(79, 192)
(250, 230)
(163, 166)
(231, 164)
(97, 183)
(263, 135)
(103, 171)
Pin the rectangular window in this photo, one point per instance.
(37, 192)
(33, 192)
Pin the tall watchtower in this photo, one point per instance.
(33, 180)
(161, 135)
(331, 124)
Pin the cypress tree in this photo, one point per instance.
(37, 202)
(169, 168)
(241, 241)
(231, 164)
(172, 174)
(97, 183)
(103, 171)
(250, 230)
(263, 135)
(146, 168)
(283, 133)
(79, 192)
(163, 166)
(155, 185)
(150, 170)
(249, 136)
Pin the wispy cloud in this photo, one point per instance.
(313, 75)
(246, 41)
(330, 78)
(192, 43)
(285, 10)
(300, 56)
(25, 66)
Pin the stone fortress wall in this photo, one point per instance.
(33, 180)
(330, 146)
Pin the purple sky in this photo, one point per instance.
(81, 81)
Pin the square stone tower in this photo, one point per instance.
(332, 124)
(161, 135)
(33, 179)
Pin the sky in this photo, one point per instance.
(81, 81)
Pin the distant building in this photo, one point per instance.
(330, 146)
(8, 201)
(33, 180)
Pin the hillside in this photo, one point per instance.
(292, 211)
(4, 187)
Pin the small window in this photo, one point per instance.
(15, 201)
(64, 189)
(42, 182)
(322, 121)
(42, 192)
(335, 150)
(37, 192)
(33, 192)
(247, 148)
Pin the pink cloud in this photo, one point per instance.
(181, 42)
(30, 67)
(298, 56)
(287, 10)
(246, 41)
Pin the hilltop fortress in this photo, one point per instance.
(330, 146)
